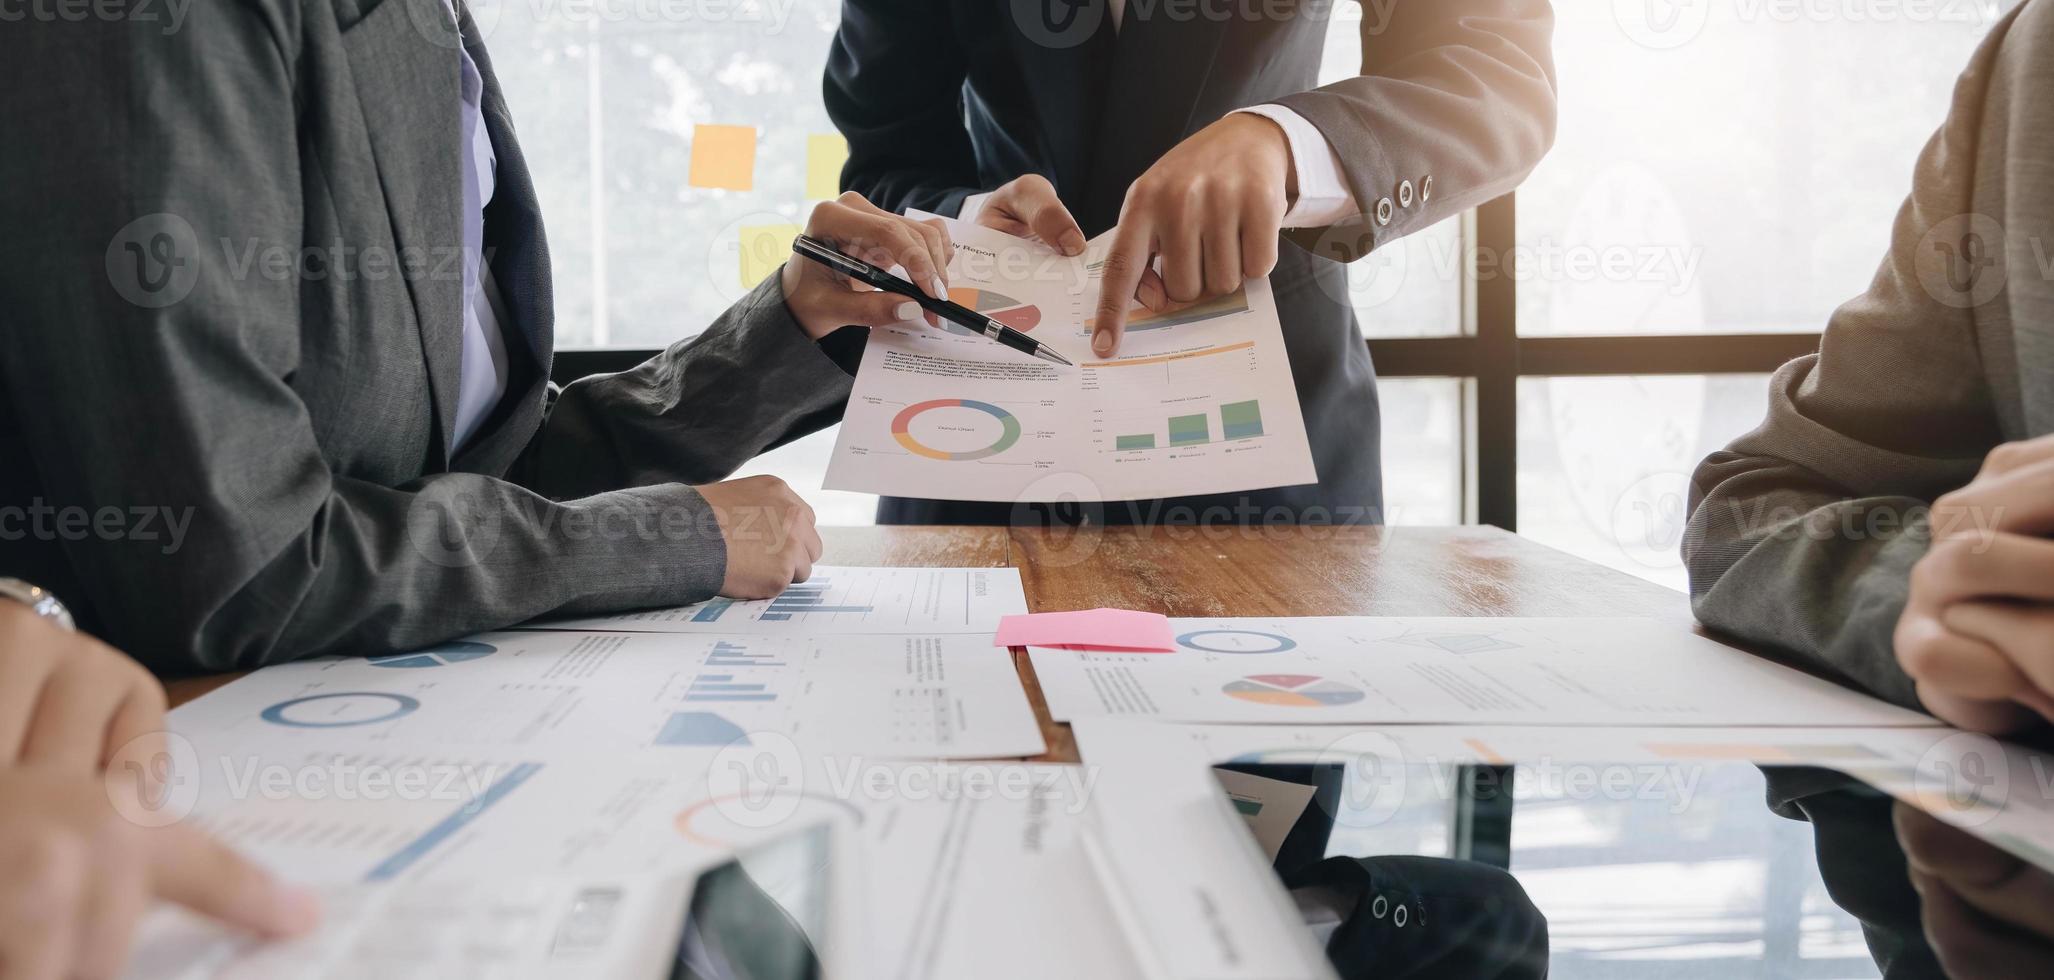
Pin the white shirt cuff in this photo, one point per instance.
(1323, 195)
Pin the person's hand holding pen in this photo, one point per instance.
(824, 302)
(1211, 209)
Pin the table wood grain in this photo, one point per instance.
(1284, 571)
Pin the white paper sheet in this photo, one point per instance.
(1426, 670)
(907, 696)
(841, 599)
(1195, 401)
(929, 838)
(1199, 895)
(992, 882)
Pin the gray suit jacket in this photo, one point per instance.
(231, 298)
(1803, 532)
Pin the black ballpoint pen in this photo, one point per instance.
(864, 272)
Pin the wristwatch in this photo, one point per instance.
(38, 599)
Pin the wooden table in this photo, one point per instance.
(1294, 571)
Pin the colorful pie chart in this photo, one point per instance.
(1292, 691)
(955, 419)
(998, 306)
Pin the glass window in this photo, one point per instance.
(1605, 463)
(1729, 166)
(675, 149)
(1411, 287)
(1423, 433)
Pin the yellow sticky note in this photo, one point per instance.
(764, 248)
(723, 157)
(825, 154)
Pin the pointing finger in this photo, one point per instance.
(1124, 264)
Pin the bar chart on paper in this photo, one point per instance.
(1198, 404)
(1232, 421)
(845, 599)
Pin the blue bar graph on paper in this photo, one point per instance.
(392, 867)
(718, 687)
(806, 597)
(712, 611)
(726, 654)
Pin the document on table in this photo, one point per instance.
(841, 599)
(1448, 670)
(906, 696)
(1197, 400)
(1223, 916)
(992, 882)
(414, 829)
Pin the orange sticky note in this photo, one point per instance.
(1089, 629)
(723, 157)
(764, 248)
(825, 154)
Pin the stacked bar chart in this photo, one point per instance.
(1189, 430)
(1241, 420)
(1237, 420)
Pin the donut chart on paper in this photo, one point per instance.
(1236, 641)
(902, 429)
(342, 709)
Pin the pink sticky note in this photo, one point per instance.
(1089, 629)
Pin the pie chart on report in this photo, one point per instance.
(454, 652)
(998, 306)
(1292, 691)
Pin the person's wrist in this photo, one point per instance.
(788, 287)
(1271, 134)
(38, 600)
